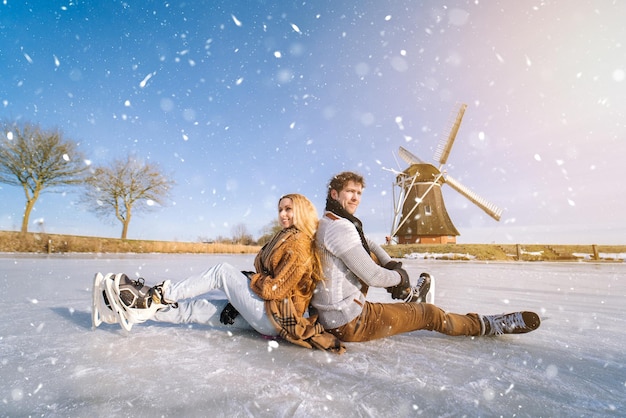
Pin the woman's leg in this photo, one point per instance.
(380, 320)
(236, 287)
(198, 311)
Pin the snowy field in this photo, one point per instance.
(53, 364)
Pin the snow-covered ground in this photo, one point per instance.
(53, 364)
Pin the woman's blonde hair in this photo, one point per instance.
(305, 219)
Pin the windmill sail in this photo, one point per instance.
(409, 157)
(445, 145)
(489, 208)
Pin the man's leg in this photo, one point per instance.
(380, 320)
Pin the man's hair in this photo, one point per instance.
(339, 181)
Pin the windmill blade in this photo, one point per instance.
(392, 170)
(409, 157)
(489, 208)
(445, 145)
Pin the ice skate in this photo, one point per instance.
(423, 291)
(130, 300)
(101, 310)
(512, 323)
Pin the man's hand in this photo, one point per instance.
(402, 289)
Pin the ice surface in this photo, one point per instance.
(53, 364)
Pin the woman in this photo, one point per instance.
(274, 300)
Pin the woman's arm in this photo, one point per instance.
(290, 262)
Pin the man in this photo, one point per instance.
(340, 299)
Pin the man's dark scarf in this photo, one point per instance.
(333, 206)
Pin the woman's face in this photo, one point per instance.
(285, 212)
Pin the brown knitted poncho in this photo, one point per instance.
(284, 281)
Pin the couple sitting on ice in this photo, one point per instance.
(327, 264)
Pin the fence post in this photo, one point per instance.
(596, 256)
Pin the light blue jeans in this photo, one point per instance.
(194, 309)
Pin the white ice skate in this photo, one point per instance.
(134, 291)
(100, 307)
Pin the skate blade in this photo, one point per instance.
(100, 312)
(112, 291)
(430, 296)
(95, 314)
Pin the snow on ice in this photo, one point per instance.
(53, 364)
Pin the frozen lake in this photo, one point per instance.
(53, 364)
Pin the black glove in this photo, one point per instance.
(392, 265)
(402, 289)
(228, 315)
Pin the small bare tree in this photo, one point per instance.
(38, 160)
(241, 235)
(269, 231)
(125, 187)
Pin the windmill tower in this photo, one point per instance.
(420, 214)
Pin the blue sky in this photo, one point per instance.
(241, 102)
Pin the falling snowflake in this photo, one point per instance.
(296, 28)
(145, 80)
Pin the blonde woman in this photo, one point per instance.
(274, 300)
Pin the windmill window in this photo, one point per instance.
(427, 210)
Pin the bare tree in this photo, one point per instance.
(38, 160)
(269, 231)
(125, 187)
(241, 235)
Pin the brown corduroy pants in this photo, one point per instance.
(380, 320)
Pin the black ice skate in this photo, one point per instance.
(512, 323)
(423, 291)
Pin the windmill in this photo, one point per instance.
(419, 211)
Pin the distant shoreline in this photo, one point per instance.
(510, 252)
(42, 243)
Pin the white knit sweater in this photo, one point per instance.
(338, 299)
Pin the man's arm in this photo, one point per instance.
(381, 255)
(344, 242)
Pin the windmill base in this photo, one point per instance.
(416, 239)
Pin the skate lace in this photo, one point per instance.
(139, 283)
(158, 296)
(415, 291)
(500, 324)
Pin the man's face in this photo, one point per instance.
(350, 197)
